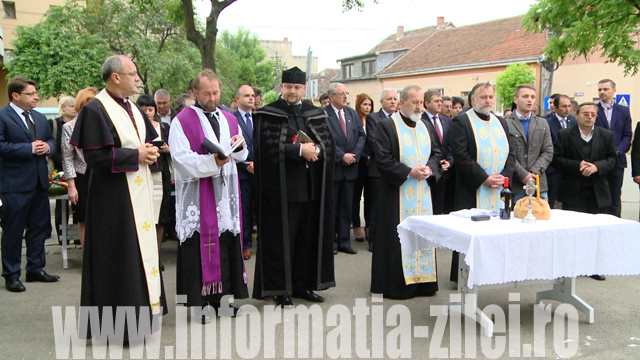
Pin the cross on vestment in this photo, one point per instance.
(209, 245)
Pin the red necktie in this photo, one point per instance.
(435, 123)
(344, 125)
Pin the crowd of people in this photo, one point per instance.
(296, 171)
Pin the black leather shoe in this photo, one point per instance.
(309, 296)
(335, 251)
(370, 246)
(41, 276)
(285, 302)
(598, 277)
(348, 250)
(14, 285)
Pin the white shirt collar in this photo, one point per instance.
(336, 110)
(606, 106)
(522, 117)
(431, 115)
(560, 117)
(587, 137)
(386, 113)
(243, 113)
(17, 109)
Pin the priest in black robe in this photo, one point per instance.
(208, 205)
(293, 162)
(403, 172)
(120, 257)
(473, 133)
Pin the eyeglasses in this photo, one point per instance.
(342, 94)
(133, 74)
(30, 93)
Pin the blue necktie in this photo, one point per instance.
(249, 123)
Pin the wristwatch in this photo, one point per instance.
(317, 149)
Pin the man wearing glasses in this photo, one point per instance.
(349, 137)
(120, 266)
(25, 140)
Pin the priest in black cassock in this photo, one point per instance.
(293, 162)
(208, 206)
(409, 162)
(120, 261)
(483, 154)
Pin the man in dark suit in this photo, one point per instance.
(616, 118)
(586, 155)
(558, 119)
(246, 101)
(439, 126)
(25, 140)
(163, 103)
(349, 137)
(388, 102)
(635, 156)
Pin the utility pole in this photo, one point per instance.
(309, 63)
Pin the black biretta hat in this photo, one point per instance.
(294, 76)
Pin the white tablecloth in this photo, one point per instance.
(500, 251)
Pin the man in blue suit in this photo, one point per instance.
(558, 119)
(616, 118)
(25, 140)
(246, 99)
(349, 137)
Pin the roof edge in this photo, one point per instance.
(459, 67)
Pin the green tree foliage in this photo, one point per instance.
(508, 80)
(242, 61)
(57, 54)
(142, 29)
(269, 97)
(582, 27)
(354, 4)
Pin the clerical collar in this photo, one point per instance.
(522, 117)
(118, 99)
(208, 113)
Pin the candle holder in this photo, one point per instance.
(530, 189)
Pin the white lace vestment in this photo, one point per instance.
(190, 166)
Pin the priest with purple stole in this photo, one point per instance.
(208, 211)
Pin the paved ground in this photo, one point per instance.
(26, 321)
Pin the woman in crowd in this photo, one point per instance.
(74, 166)
(161, 174)
(364, 107)
(67, 112)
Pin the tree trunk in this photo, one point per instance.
(207, 43)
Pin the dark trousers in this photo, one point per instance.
(553, 185)
(438, 192)
(342, 203)
(246, 191)
(304, 229)
(363, 182)
(375, 191)
(24, 210)
(587, 203)
(615, 186)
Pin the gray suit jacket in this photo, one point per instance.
(533, 154)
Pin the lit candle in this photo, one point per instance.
(538, 186)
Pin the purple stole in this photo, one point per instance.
(209, 239)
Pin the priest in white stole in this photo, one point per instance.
(120, 257)
(408, 162)
(208, 206)
(481, 149)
